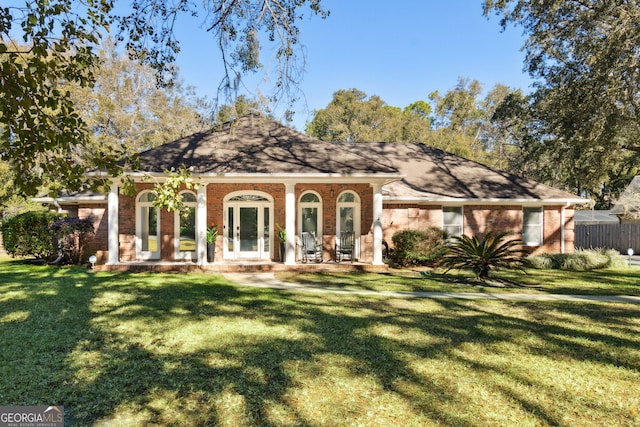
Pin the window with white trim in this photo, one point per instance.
(310, 214)
(185, 228)
(532, 226)
(348, 208)
(452, 221)
(348, 217)
(147, 227)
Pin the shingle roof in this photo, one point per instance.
(627, 203)
(436, 174)
(254, 145)
(595, 217)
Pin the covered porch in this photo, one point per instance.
(249, 217)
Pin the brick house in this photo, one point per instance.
(256, 175)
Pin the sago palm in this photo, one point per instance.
(481, 255)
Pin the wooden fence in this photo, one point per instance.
(613, 236)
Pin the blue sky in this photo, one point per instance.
(401, 51)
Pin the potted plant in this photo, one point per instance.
(282, 235)
(212, 235)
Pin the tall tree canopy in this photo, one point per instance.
(462, 122)
(46, 44)
(241, 106)
(458, 121)
(354, 116)
(585, 111)
(126, 112)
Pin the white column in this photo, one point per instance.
(201, 226)
(563, 225)
(290, 224)
(112, 218)
(377, 224)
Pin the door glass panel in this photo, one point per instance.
(266, 226)
(248, 229)
(230, 228)
(248, 198)
(346, 219)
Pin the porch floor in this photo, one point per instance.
(241, 267)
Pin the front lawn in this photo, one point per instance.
(624, 281)
(196, 350)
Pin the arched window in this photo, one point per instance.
(185, 228)
(310, 214)
(348, 209)
(348, 217)
(147, 227)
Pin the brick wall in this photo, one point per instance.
(398, 217)
(485, 218)
(569, 232)
(328, 194)
(100, 244)
(552, 234)
(127, 225)
(477, 219)
(215, 215)
(480, 219)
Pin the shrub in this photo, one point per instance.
(580, 260)
(483, 254)
(73, 234)
(418, 247)
(28, 234)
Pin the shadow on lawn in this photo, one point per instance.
(409, 281)
(195, 350)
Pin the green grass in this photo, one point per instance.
(624, 281)
(196, 350)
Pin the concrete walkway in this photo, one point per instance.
(269, 281)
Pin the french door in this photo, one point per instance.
(247, 228)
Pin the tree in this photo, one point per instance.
(41, 128)
(511, 121)
(12, 204)
(126, 112)
(463, 122)
(353, 116)
(241, 106)
(628, 204)
(417, 122)
(583, 55)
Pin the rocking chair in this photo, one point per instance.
(310, 249)
(346, 245)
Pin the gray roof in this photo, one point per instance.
(595, 217)
(254, 145)
(434, 174)
(627, 203)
